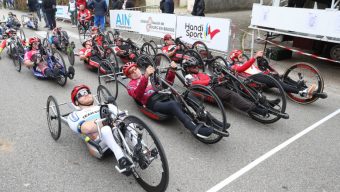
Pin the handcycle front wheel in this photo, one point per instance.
(272, 98)
(62, 78)
(208, 109)
(151, 169)
(148, 49)
(202, 49)
(15, 56)
(53, 117)
(303, 75)
(103, 94)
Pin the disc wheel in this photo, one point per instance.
(60, 63)
(192, 53)
(151, 169)
(202, 102)
(303, 75)
(53, 117)
(263, 95)
(148, 49)
(202, 49)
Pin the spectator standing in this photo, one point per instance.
(168, 6)
(117, 4)
(72, 9)
(50, 7)
(198, 9)
(32, 5)
(100, 10)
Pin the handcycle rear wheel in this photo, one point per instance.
(207, 109)
(151, 169)
(303, 75)
(53, 116)
(202, 49)
(15, 53)
(264, 95)
(62, 78)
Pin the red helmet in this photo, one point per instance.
(94, 28)
(127, 67)
(10, 31)
(75, 91)
(167, 37)
(33, 40)
(234, 54)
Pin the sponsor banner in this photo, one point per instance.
(214, 32)
(157, 24)
(322, 22)
(124, 20)
(62, 12)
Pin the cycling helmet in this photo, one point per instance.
(191, 62)
(94, 28)
(86, 40)
(75, 92)
(167, 37)
(33, 40)
(234, 54)
(127, 67)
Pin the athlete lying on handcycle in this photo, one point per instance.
(143, 92)
(123, 50)
(9, 33)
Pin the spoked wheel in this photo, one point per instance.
(143, 61)
(162, 62)
(111, 56)
(21, 34)
(47, 45)
(154, 45)
(60, 63)
(302, 76)
(203, 102)
(202, 49)
(84, 36)
(109, 64)
(53, 117)
(15, 52)
(148, 49)
(151, 169)
(103, 94)
(192, 53)
(272, 98)
(111, 36)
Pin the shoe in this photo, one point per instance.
(124, 163)
(46, 26)
(74, 26)
(308, 93)
(70, 72)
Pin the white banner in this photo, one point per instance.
(214, 32)
(311, 21)
(62, 12)
(157, 24)
(124, 20)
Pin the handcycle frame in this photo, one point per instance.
(30, 17)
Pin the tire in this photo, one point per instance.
(148, 49)
(103, 93)
(71, 57)
(53, 114)
(61, 79)
(111, 36)
(202, 49)
(154, 45)
(47, 46)
(310, 75)
(203, 102)
(334, 52)
(193, 53)
(15, 54)
(266, 93)
(111, 62)
(162, 62)
(155, 176)
(143, 61)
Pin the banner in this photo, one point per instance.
(214, 32)
(124, 20)
(62, 12)
(157, 24)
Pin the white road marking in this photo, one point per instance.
(259, 160)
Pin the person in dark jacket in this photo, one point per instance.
(128, 4)
(100, 10)
(117, 4)
(198, 9)
(169, 6)
(50, 8)
(32, 5)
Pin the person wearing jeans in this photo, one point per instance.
(100, 10)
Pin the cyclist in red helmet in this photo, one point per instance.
(247, 68)
(195, 77)
(82, 121)
(170, 47)
(95, 35)
(84, 16)
(123, 50)
(142, 91)
(89, 56)
(36, 58)
(9, 33)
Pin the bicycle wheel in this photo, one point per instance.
(271, 98)
(15, 53)
(111, 56)
(203, 102)
(21, 34)
(143, 61)
(154, 45)
(162, 62)
(53, 117)
(192, 53)
(151, 169)
(60, 63)
(148, 49)
(84, 35)
(112, 36)
(103, 94)
(202, 49)
(303, 75)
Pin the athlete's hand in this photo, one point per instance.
(150, 70)
(259, 54)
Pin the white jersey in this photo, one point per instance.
(77, 118)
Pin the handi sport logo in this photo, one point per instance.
(210, 33)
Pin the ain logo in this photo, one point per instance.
(123, 19)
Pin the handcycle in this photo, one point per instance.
(272, 99)
(16, 49)
(149, 163)
(55, 61)
(84, 29)
(61, 42)
(30, 21)
(190, 99)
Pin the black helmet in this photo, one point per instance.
(191, 62)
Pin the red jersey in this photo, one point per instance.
(85, 14)
(248, 68)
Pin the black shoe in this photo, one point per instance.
(70, 72)
(124, 163)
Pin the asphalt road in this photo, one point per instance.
(30, 160)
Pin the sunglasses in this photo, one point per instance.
(82, 93)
